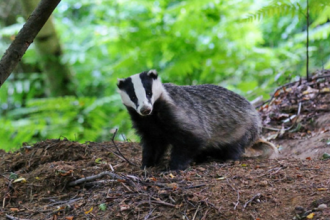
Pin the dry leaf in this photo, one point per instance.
(322, 189)
(174, 186)
(67, 173)
(21, 179)
(277, 93)
(124, 207)
(325, 90)
(310, 216)
(87, 212)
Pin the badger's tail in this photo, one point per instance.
(262, 149)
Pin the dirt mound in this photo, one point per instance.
(297, 117)
(111, 188)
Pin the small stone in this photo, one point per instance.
(263, 183)
(322, 206)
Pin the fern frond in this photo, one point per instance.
(321, 8)
(276, 8)
(322, 17)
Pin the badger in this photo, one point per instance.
(198, 122)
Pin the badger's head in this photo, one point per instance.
(140, 91)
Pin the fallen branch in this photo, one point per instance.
(90, 178)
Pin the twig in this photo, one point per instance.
(296, 119)
(236, 204)
(90, 178)
(257, 195)
(205, 214)
(113, 141)
(289, 128)
(196, 211)
(307, 42)
(14, 218)
(64, 202)
(277, 170)
(127, 187)
(211, 204)
(147, 216)
(279, 88)
(163, 203)
(99, 183)
(197, 186)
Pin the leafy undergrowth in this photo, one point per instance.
(60, 179)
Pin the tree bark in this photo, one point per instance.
(48, 47)
(25, 37)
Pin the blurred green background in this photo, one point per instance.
(65, 85)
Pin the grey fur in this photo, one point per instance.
(198, 121)
(222, 116)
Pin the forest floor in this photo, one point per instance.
(61, 179)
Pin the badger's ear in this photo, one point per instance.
(120, 83)
(153, 74)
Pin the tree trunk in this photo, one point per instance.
(25, 37)
(59, 76)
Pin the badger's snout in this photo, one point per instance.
(145, 110)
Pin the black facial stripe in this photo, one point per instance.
(147, 84)
(129, 89)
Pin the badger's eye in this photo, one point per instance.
(134, 98)
(149, 94)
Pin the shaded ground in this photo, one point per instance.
(296, 185)
(250, 189)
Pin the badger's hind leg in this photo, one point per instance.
(183, 152)
(152, 151)
(221, 153)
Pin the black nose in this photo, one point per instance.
(145, 110)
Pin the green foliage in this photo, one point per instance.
(188, 42)
(292, 8)
(76, 119)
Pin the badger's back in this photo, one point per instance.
(223, 115)
(197, 121)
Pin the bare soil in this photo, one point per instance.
(61, 179)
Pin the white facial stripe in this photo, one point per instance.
(126, 100)
(157, 89)
(140, 92)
